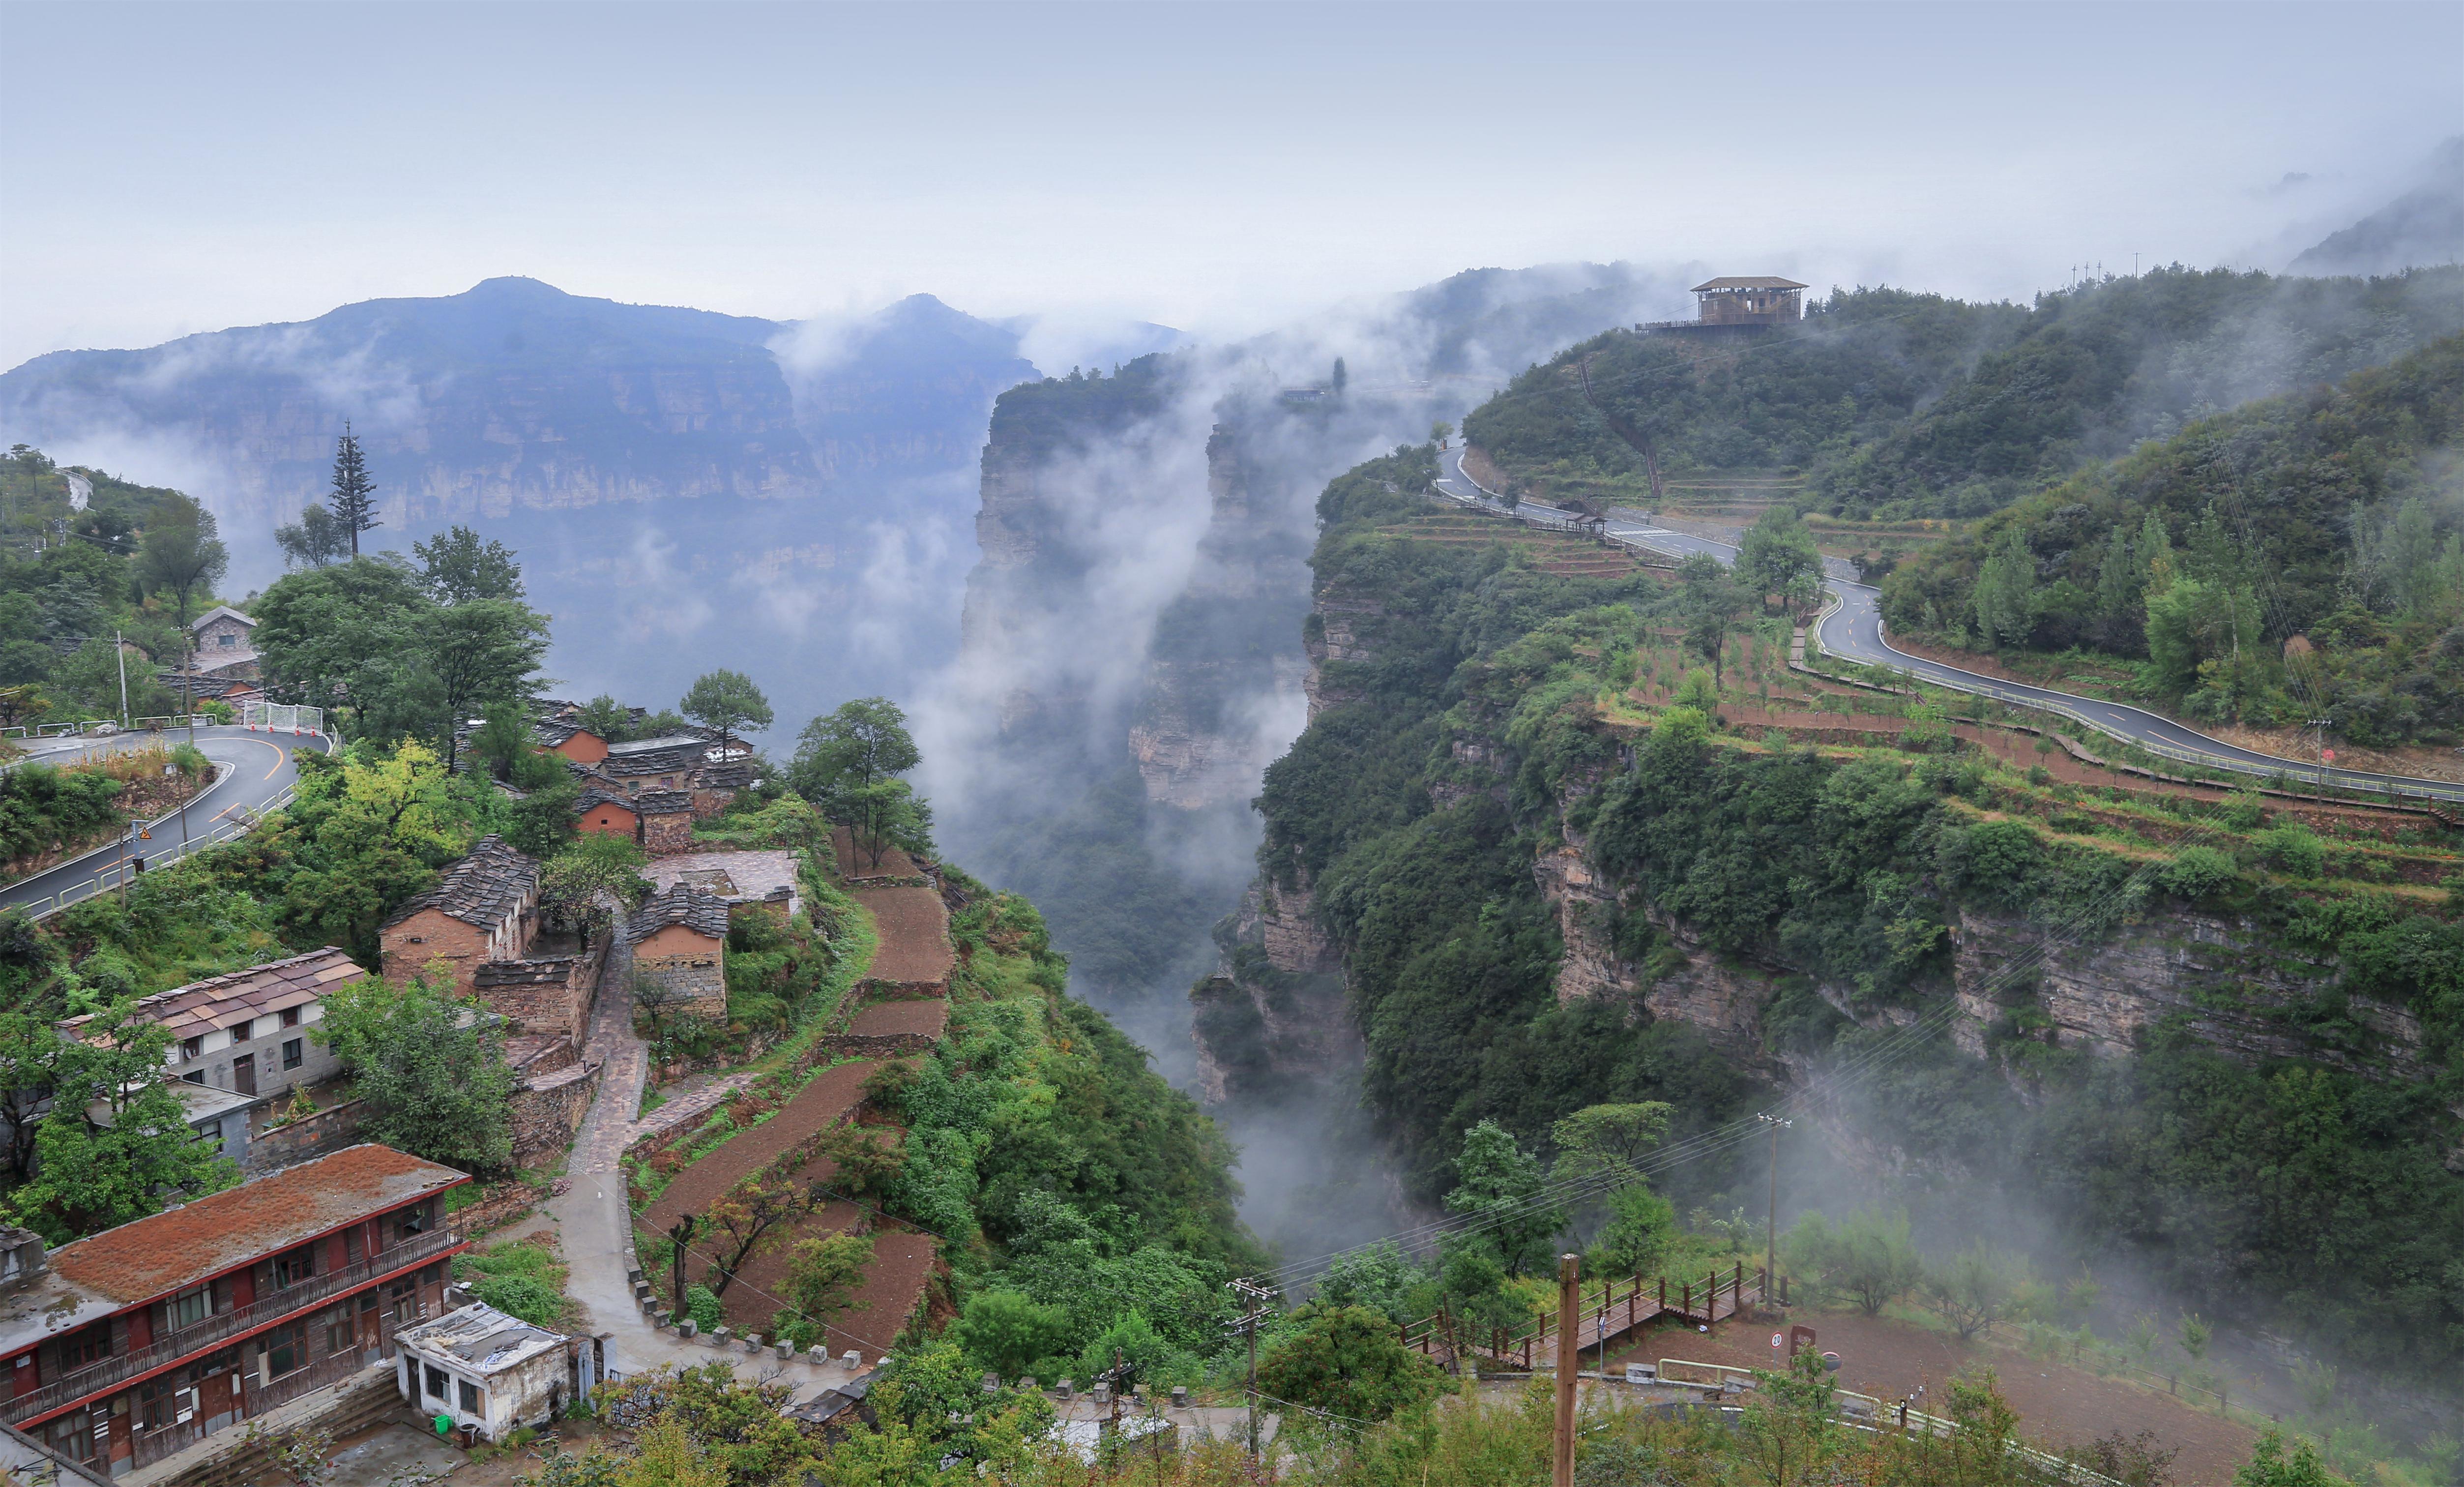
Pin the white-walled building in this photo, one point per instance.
(483, 1367)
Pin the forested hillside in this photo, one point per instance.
(2334, 515)
(1560, 864)
(1899, 405)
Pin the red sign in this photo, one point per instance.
(2327, 756)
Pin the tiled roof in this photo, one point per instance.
(550, 971)
(663, 803)
(220, 611)
(1749, 282)
(164, 1252)
(202, 1005)
(479, 890)
(592, 795)
(705, 914)
(735, 774)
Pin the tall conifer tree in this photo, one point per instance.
(354, 501)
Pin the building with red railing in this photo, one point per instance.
(127, 1347)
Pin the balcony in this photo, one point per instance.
(206, 1332)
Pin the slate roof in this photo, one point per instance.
(218, 1002)
(593, 795)
(1751, 281)
(735, 774)
(222, 611)
(678, 741)
(703, 913)
(165, 1252)
(552, 970)
(663, 803)
(479, 890)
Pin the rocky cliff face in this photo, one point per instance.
(515, 396)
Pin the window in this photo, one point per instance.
(163, 1402)
(86, 1347)
(341, 1337)
(470, 1397)
(291, 1016)
(414, 1219)
(190, 1307)
(289, 1353)
(226, 640)
(242, 1029)
(351, 1245)
(289, 1270)
(72, 1436)
(190, 1048)
(195, 1076)
(438, 1386)
(292, 1052)
(210, 1135)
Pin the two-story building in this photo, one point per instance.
(240, 1042)
(127, 1347)
(484, 908)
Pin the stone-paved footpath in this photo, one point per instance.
(594, 1221)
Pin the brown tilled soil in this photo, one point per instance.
(852, 863)
(2058, 1405)
(902, 1266)
(924, 1015)
(914, 934)
(824, 1103)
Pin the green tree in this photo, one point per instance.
(372, 827)
(430, 1067)
(181, 551)
(1498, 1186)
(459, 566)
(1348, 1361)
(1710, 600)
(1868, 1255)
(1010, 1333)
(116, 1145)
(861, 743)
(28, 1047)
(597, 865)
(2005, 591)
(604, 716)
(725, 702)
(1788, 1430)
(482, 651)
(884, 814)
(1379, 1276)
(1777, 556)
(1975, 1287)
(506, 736)
(316, 541)
(2269, 1466)
(823, 1273)
(352, 497)
(351, 634)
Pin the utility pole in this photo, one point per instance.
(122, 657)
(1570, 1363)
(1771, 1224)
(1261, 1302)
(2318, 747)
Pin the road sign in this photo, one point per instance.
(2328, 755)
(1779, 1340)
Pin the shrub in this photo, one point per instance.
(701, 1304)
(2196, 872)
(2296, 848)
(521, 1296)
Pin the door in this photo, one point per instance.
(244, 1074)
(217, 1401)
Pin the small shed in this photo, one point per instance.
(491, 1371)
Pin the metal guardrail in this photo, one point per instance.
(108, 878)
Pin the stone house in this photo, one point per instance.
(667, 819)
(763, 880)
(491, 1371)
(484, 908)
(599, 810)
(679, 941)
(131, 1346)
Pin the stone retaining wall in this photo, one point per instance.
(327, 1131)
(549, 1108)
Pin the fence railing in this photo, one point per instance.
(208, 1332)
(108, 878)
(1620, 1306)
(282, 717)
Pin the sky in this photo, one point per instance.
(1224, 169)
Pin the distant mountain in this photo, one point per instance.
(515, 395)
(2423, 227)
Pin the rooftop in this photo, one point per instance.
(165, 1252)
(663, 803)
(221, 1001)
(479, 890)
(592, 795)
(1752, 281)
(699, 910)
(738, 877)
(652, 745)
(480, 1338)
(220, 611)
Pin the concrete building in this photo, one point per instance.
(491, 1371)
(247, 1033)
(679, 941)
(132, 1345)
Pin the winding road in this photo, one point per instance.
(1851, 627)
(260, 774)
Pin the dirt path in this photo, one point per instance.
(2058, 1405)
(914, 929)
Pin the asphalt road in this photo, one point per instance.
(262, 771)
(1852, 628)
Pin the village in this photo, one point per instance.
(322, 1295)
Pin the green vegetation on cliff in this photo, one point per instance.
(2275, 1155)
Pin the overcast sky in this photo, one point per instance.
(185, 167)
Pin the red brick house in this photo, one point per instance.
(484, 908)
(572, 741)
(128, 1346)
(602, 812)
